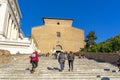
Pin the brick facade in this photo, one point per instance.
(58, 33)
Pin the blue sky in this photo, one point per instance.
(101, 16)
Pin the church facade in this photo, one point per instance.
(58, 34)
(11, 35)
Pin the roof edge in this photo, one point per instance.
(57, 18)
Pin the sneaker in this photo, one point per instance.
(32, 71)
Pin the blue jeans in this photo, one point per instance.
(62, 65)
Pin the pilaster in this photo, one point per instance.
(9, 28)
(2, 18)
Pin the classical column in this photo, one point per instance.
(17, 33)
(9, 28)
(2, 18)
(7, 24)
(12, 31)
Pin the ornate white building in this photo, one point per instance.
(11, 36)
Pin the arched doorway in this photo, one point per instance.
(58, 47)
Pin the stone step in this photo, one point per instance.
(50, 79)
(84, 69)
(61, 78)
(63, 73)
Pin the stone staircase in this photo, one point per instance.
(48, 69)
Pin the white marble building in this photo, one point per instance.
(11, 36)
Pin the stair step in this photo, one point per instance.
(48, 69)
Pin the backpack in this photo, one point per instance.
(62, 57)
(33, 55)
(70, 57)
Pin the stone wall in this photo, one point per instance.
(4, 52)
(5, 56)
(107, 57)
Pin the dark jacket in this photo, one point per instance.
(61, 57)
(70, 56)
(118, 62)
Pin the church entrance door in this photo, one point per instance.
(58, 48)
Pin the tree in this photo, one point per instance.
(115, 41)
(110, 45)
(90, 39)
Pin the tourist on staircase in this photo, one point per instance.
(70, 60)
(61, 60)
(118, 64)
(34, 61)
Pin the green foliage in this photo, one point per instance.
(81, 50)
(115, 41)
(110, 45)
(90, 39)
(93, 49)
(105, 47)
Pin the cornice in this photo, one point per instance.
(13, 13)
(16, 2)
(57, 18)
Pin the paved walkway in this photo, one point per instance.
(84, 69)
